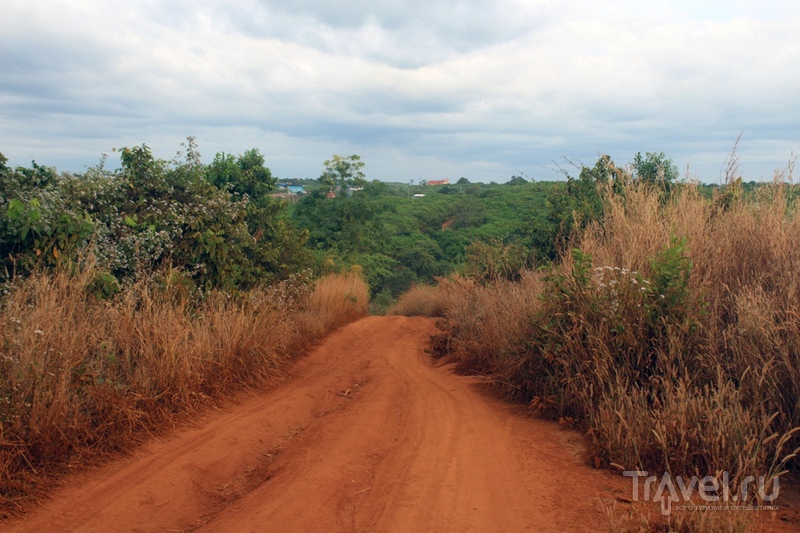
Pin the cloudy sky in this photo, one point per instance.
(421, 89)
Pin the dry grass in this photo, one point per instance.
(638, 521)
(490, 320)
(740, 361)
(335, 301)
(421, 300)
(672, 337)
(83, 378)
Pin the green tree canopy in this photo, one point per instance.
(655, 169)
(343, 172)
(244, 174)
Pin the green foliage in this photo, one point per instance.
(580, 202)
(23, 219)
(220, 224)
(37, 227)
(656, 170)
(670, 293)
(216, 223)
(495, 260)
(420, 254)
(242, 174)
(468, 212)
(399, 240)
(174, 215)
(570, 208)
(630, 326)
(729, 195)
(377, 268)
(381, 302)
(104, 285)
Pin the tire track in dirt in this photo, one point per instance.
(367, 435)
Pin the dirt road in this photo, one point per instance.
(367, 435)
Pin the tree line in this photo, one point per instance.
(221, 225)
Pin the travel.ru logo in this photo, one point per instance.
(711, 489)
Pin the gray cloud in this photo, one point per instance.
(454, 87)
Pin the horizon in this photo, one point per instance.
(112, 163)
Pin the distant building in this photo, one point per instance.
(437, 182)
(296, 189)
(418, 195)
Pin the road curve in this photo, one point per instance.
(367, 434)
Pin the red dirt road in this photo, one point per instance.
(367, 435)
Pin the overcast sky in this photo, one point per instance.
(421, 89)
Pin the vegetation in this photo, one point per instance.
(400, 241)
(217, 224)
(657, 315)
(342, 173)
(421, 300)
(130, 298)
(83, 377)
(668, 332)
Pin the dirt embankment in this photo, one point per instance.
(368, 435)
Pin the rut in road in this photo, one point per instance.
(368, 434)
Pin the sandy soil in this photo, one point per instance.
(368, 434)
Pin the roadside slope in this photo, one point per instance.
(367, 435)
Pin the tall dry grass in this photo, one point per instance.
(80, 378)
(421, 300)
(335, 301)
(672, 336)
(487, 322)
(730, 386)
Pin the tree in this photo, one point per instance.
(145, 175)
(420, 253)
(468, 212)
(573, 207)
(655, 169)
(242, 174)
(3, 161)
(343, 172)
